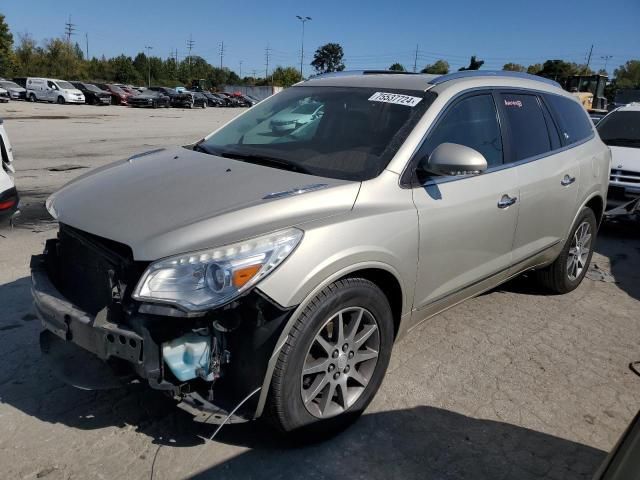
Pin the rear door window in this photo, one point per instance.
(574, 122)
(527, 126)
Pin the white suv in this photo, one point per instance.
(620, 129)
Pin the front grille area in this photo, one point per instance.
(624, 176)
(90, 271)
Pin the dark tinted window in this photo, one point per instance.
(528, 129)
(621, 128)
(472, 122)
(574, 122)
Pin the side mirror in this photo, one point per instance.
(455, 159)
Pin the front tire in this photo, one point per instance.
(568, 270)
(32, 98)
(334, 360)
(60, 101)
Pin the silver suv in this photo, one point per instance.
(274, 270)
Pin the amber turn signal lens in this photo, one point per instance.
(243, 275)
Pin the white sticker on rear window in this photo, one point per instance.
(396, 98)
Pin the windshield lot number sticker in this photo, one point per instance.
(396, 98)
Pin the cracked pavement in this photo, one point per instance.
(513, 384)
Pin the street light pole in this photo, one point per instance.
(303, 20)
(148, 49)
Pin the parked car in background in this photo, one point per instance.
(8, 194)
(183, 100)
(254, 273)
(230, 99)
(128, 89)
(118, 96)
(180, 89)
(16, 92)
(296, 118)
(620, 129)
(150, 98)
(226, 101)
(52, 90)
(245, 100)
(213, 101)
(199, 100)
(4, 95)
(92, 94)
(169, 92)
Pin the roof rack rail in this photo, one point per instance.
(491, 73)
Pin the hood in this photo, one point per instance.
(73, 91)
(625, 158)
(17, 89)
(174, 201)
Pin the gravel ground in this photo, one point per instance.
(512, 384)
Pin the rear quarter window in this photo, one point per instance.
(575, 125)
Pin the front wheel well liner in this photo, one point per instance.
(390, 286)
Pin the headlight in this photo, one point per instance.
(208, 278)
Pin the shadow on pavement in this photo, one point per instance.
(620, 242)
(422, 442)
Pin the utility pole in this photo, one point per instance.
(415, 60)
(221, 53)
(586, 68)
(69, 29)
(148, 49)
(303, 20)
(86, 39)
(267, 53)
(606, 59)
(190, 44)
(241, 69)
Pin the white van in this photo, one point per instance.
(52, 90)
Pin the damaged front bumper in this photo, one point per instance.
(208, 363)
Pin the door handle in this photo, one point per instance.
(567, 180)
(506, 201)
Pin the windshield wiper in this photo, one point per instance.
(266, 160)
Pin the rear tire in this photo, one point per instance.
(32, 98)
(345, 366)
(568, 270)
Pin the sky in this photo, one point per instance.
(373, 34)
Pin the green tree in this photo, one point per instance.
(513, 67)
(559, 69)
(6, 48)
(285, 76)
(328, 58)
(474, 64)
(534, 69)
(628, 75)
(440, 67)
(123, 70)
(397, 67)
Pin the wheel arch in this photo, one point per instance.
(596, 203)
(381, 274)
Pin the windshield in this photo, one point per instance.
(65, 85)
(117, 89)
(621, 128)
(9, 85)
(92, 87)
(338, 132)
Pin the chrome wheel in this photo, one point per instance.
(340, 362)
(579, 251)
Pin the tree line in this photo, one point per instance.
(59, 58)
